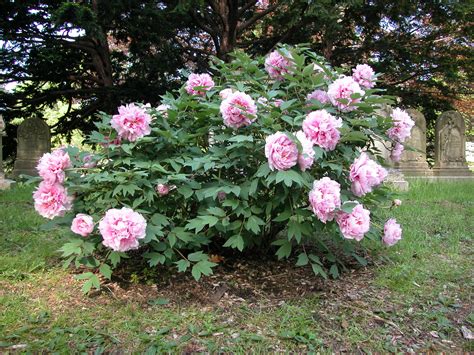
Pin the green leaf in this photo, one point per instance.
(159, 220)
(348, 206)
(284, 251)
(318, 270)
(241, 138)
(197, 256)
(183, 265)
(105, 270)
(154, 258)
(114, 258)
(253, 224)
(203, 267)
(285, 215)
(185, 191)
(236, 241)
(360, 259)
(216, 211)
(302, 260)
(334, 271)
(288, 177)
(354, 136)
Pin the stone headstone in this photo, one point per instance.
(450, 143)
(413, 163)
(4, 183)
(34, 140)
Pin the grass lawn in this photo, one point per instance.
(415, 296)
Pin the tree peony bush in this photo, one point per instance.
(269, 151)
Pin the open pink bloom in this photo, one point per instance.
(224, 94)
(277, 65)
(354, 225)
(396, 152)
(163, 110)
(82, 224)
(364, 75)
(51, 166)
(306, 156)
(321, 128)
(162, 189)
(325, 198)
(281, 151)
(122, 228)
(132, 122)
(318, 95)
(343, 88)
(402, 125)
(238, 110)
(365, 174)
(198, 84)
(51, 200)
(392, 232)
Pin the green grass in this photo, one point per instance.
(413, 296)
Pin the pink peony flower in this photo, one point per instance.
(306, 156)
(162, 189)
(281, 151)
(163, 110)
(277, 102)
(365, 174)
(122, 228)
(364, 75)
(224, 94)
(397, 202)
(402, 125)
(396, 153)
(392, 232)
(343, 88)
(51, 200)
(238, 110)
(324, 198)
(277, 65)
(321, 128)
(82, 224)
(132, 122)
(318, 95)
(354, 225)
(198, 84)
(51, 166)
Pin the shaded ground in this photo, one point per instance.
(413, 297)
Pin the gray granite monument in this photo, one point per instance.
(34, 140)
(450, 143)
(413, 163)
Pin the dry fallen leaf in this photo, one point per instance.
(466, 333)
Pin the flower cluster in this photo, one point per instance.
(132, 122)
(122, 228)
(321, 128)
(365, 174)
(238, 109)
(281, 151)
(364, 75)
(325, 198)
(340, 93)
(198, 84)
(277, 65)
(51, 198)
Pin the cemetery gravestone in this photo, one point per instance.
(450, 142)
(34, 140)
(413, 163)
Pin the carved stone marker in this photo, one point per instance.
(450, 142)
(4, 183)
(413, 163)
(34, 140)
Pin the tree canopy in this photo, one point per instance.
(94, 55)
